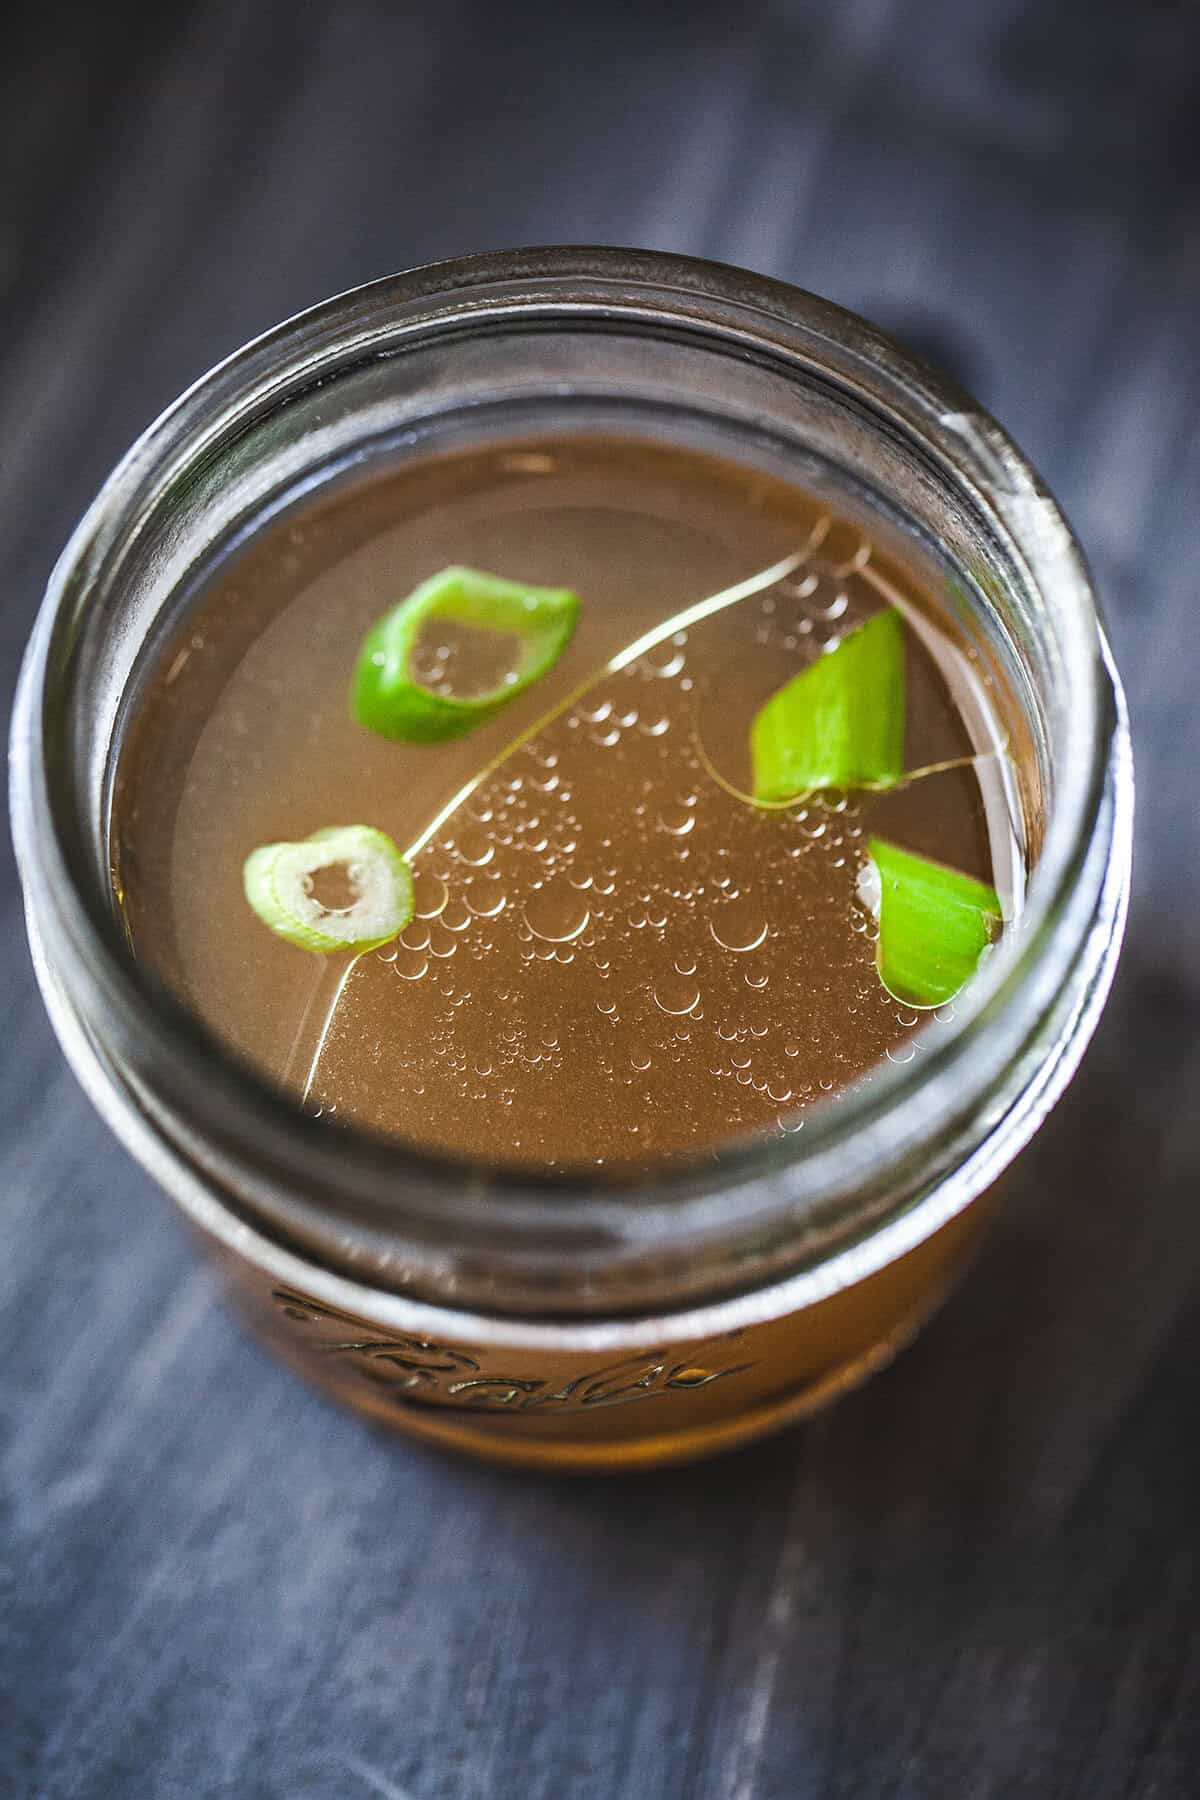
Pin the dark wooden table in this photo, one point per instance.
(979, 1577)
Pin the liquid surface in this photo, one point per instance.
(615, 959)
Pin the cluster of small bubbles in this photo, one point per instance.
(429, 662)
(625, 926)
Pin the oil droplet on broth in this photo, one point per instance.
(676, 819)
(674, 993)
(739, 926)
(556, 913)
(486, 896)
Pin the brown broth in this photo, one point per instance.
(615, 960)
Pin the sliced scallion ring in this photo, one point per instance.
(840, 722)
(934, 923)
(387, 697)
(279, 880)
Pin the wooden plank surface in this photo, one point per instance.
(979, 1577)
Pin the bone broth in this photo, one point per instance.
(669, 797)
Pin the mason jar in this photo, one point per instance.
(553, 1322)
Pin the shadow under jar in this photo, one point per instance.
(643, 1309)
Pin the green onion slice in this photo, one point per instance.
(278, 879)
(840, 722)
(934, 923)
(387, 698)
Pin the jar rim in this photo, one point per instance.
(384, 1205)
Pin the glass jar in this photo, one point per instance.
(556, 1322)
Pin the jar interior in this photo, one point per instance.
(234, 730)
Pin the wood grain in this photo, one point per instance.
(979, 1577)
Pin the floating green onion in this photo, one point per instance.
(387, 697)
(934, 923)
(840, 722)
(279, 882)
